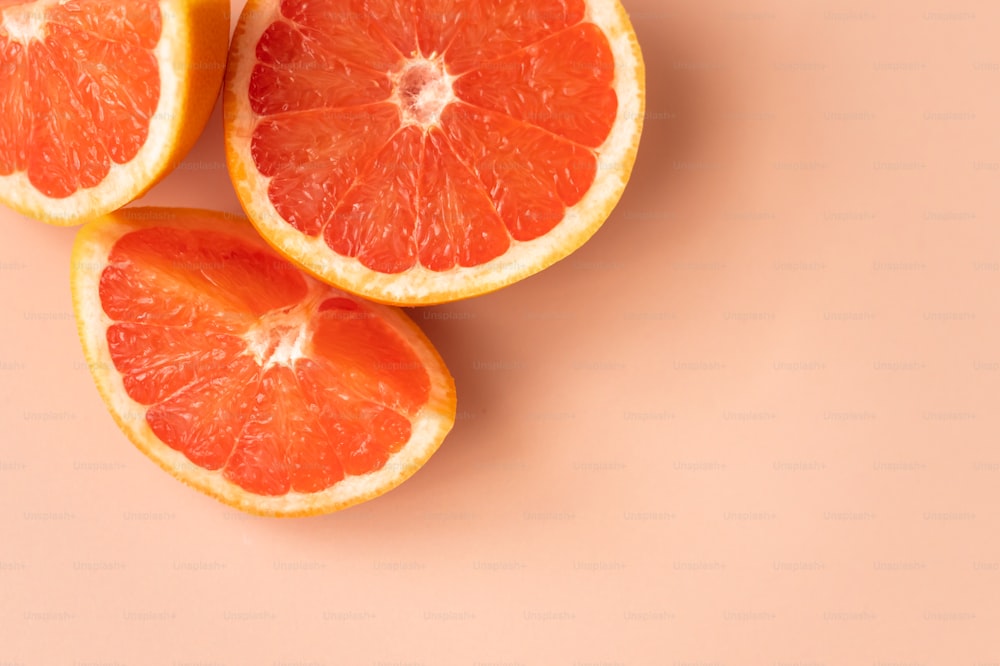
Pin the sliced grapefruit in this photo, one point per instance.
(246, 378)
(99, 99)
(424, 151)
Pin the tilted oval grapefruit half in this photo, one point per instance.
(423, 151)
(246, 378)
(99, 99)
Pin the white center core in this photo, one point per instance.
(26, 22)
(279, 338)
(423, 90)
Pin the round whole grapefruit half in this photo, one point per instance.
(424, 151)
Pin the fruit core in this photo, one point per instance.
(279, 337)
(423, 90)
(24, 21)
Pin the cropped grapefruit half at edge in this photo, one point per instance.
(423, 151)
(246, 378)
(99, 99)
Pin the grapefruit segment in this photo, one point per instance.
(342, 30)
(375, 221)
(67, 151)
(245, 378)
(478, 164)
(360, 356)
(205, 419)
(363, 434)
(396, 20)
(562, 84)
(291, 63)
(14, 107)
(313, 462)
(311, 173)
(438, 22)
(156, 362)
(490, 31)
(136, 22)
(459, 225)
(187, 280)
(532, 175)
(258, 462)
(121, 112)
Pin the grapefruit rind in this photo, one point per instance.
(429, 426)
(191, 53)
(421, 286)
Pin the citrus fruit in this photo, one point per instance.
(424, 151)
(246, 378)
(99, 99)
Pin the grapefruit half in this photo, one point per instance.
(99, 99)
(423, 151)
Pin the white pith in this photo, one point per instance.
(26, 23)
(420, 285)
(280, 338)
(425, 111)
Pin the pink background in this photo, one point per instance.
(753, 421)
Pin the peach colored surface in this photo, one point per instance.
(752, 422)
